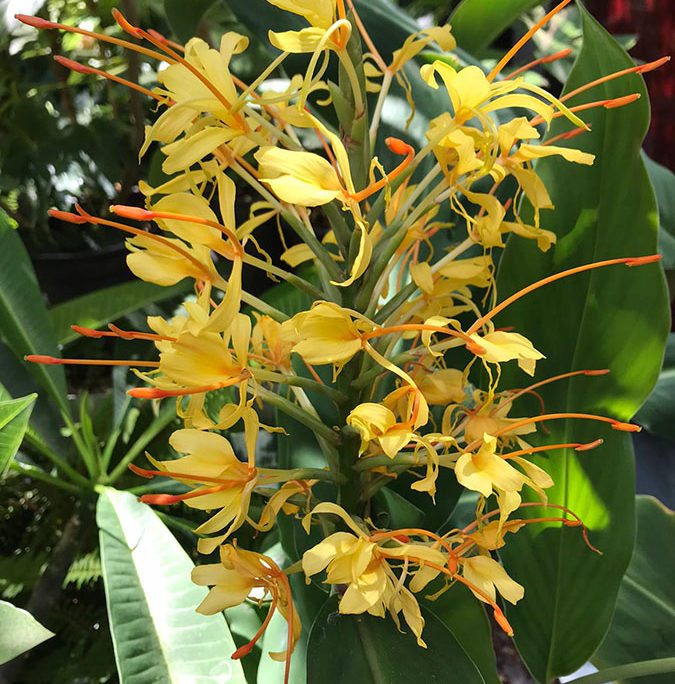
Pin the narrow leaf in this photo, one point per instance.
(14, 415)
(20, 632)
(24, 321)
(157, 635)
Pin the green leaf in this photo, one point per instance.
(642, 669)
(103, 306)
(463, 614)
(24, 321)
(476, 23)
(643, 627)
(20, 632)
(14, 415)
(614, 317)
(184, 17)
(658, 413)
(363, 648)
(157, 635)
(663, 181)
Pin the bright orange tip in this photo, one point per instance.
(161, 499)
(142, 472)
(45, 360)
(589, 446)
(87, 332)
(67, 216)
(601, 371)
(501, 620)
(73, 65)
(398, 146)
(148, 393)
(125, 25)
(621, 101)
(625, 427)
(134, 213)
(639, 261)
(37, 22)
(650, 66)
(242, 651)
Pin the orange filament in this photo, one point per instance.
(366, 37)
(85, 69)
(397, 147)
(44, 24)
(157, 393)
(641, 69)
(541, 383)
(84, 217)
(613, 423)
(168, 499)
(140, 214)
(119, 333)
(246, 648)
(165, 40)
(512, 52)
(577, 446)
(404, 327)
(542, 60)
(612, 103)
(566, 136)
(149, 474)
(342, 36)
(401, 535)
(54, 361)
(629, 261)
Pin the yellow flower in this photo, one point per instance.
(487, 575)
(500, 346)
(237, 577)
(352, 559)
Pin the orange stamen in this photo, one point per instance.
(641, 69)
(163, 39)
(84, 217)
(629, 261)
(577, 446)
(613, 423)
(157, 393)
(404, 327)
(542, 60)
(566, 136)
(44, 24)
(149, 474)
(246, 648)
(118, 332)
(85, 69)
(54, 361)
(366, 37)
(607, 104)
(168, 499)
(140, 214)
(397, 147)
(512, 52)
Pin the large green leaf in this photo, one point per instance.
(157, 635)
(476, 23)
(24, 323)
(20, 632)
(103, 306)
(614, 317)
(658, 412)
(463, 614)
(643, 627)
(372, 649)
(14, 415)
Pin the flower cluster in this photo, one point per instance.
(401, 327)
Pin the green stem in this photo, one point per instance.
(292, 279)
(299, 414)
(630, 671)
(340, 228)
(114, 435)
(165, 416)
(37, 474)
(305, 474)
(384, 460)
(40, 445)
(300, 381)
